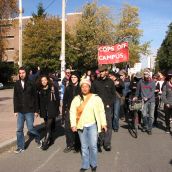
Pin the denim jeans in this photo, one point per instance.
(88, 138)
(148, 114)
(116, 111)
(29, 117)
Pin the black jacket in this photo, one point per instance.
(105, 88)
(25, 100)
(49, 102)
(70, 92)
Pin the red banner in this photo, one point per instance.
(113, 54)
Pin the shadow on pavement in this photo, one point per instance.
(5, 98)
(58, 131)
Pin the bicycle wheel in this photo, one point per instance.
(136, 121)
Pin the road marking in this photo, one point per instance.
(49, 158)
(116, 158)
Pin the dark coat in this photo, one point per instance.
(105, 88)
(70, 92)
(49, 102)
(25, 100)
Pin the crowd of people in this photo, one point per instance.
(91, 107)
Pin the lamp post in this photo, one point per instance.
(20, 33)
(62, 55)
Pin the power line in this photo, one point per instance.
(51, 3)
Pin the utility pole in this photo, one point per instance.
(62, 56)
(20, 33)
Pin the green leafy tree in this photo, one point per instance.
(127, 29)
(164, 55)
(40, 12)
(42, 37)
(94, 28)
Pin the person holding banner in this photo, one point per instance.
(105, 88)
(87, 116)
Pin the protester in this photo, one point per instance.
(49, 102)
(65, 80)
(119, 85)
(146, 88)
(34, 74)
(72, 90)
(104, 87)
(155, 77)
(167, 99)
(126, 91)
(87, 116)
(135, 78)
(25, 108)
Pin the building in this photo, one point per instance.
(11, 37)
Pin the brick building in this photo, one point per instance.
(12, 35)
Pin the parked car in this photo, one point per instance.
(1, 85)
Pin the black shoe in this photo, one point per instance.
(68, 149)
(93, 169)
(107, 148)
(19, 150)
(167, 131)
(45, 146)
(149, 132)
(82, 169)
(144, 129)
(99, 149)
(115, 130)
(76, 150)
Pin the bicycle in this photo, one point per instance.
(134, 107)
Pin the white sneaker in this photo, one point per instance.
(19, 150)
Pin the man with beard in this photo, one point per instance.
(25, 108)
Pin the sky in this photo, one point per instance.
(155, 15)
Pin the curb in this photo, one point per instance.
(6, 145)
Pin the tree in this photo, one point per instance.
(164, 54)
(40, 12)
(98, 27)
(94, 28)
(42, 46)
(8, 9)
(127, 29)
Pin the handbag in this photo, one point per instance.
(136, 105)
(80, 108)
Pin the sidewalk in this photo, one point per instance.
(8, 120)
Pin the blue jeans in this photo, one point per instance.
(116, 111)
(88, 138)
(148, 115)
(29, 117)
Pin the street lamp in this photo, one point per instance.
(20, 33)
(62, 56)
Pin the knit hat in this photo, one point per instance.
(85, 81)
(75, 73)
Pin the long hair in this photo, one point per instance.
(39, 83)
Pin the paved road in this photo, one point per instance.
(144, 154)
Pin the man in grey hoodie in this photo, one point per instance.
(146, 89)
